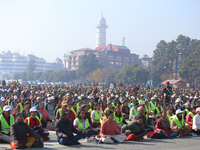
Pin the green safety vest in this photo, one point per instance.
(113, 105)
(142, 101)
(1, 110)
(158, 111)
(187, 111)
(60, 111)
(5, 128)
(178, 123)
(106, 110)
(90, 111)
(169, 117)
(105, 118)
(135, 112)
(77, 106)
(118, 120)
(148, 109)
(80, 125)
(28, 119)
(40, 116)
(131, 105)
(20, 107)
(153, 106)
(72, 109)
(192, 115)
(96, 116)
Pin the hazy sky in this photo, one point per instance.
(50, 28)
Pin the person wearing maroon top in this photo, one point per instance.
(103, 105)
(71, 113)
(189, 117)
(125, 109)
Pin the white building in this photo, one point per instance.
(101, 32)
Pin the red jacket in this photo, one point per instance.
(71, 116)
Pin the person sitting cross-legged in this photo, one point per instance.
(65, 129)
(18, 135)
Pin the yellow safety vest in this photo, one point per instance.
(118, 120)
(153, 106)
(80, 125)
(106, 110)
(72, 109)
(28, 123)
(169, 117)
(178, 123)
(5, 128)
(60, 112)
(20, 107)
(148, 109)
(158, 111)
(96, 116)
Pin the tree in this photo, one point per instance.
(110, 76)
(31, 68)
(97, 76)
(88, 64)
(190, 67)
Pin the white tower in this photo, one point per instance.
(101, 32)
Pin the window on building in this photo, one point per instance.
(111, 57)
(71, 57)
(118, 58)
(71, 63)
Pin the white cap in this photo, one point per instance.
(127, 95)
(92, 97)
(6, 108)
(195, 97)
(82, 95)
(116, 95)
(132, 97)
(52, 97)
(41, 91)
(38, 98)
(33, 109)
(102, 95)
(173, 96)
(75, 94)
(179, 111)
(155, 96)
(191, 97)
(36, 92)
(141, 95)
(152, 98)
(3, 99)
(15, 97)
(89, 97)
(67, 94)
(48, 95)
(178, 100)
(49, 98)
(187, 96)
(112, 95)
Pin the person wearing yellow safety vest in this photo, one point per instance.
(190, 116)
(133, 111)
(142, 100)
(96, 115)
(169, 113)
(118, 117)
(115, 103)
(81, 123)
(109, 105)
(153, 104)
(6, 120)
(59, 111)
(20, 106)
(74, 108)
(1, 106)
(187, 110)
(158, 109)
(33, 122)
(178, 124)
(132, 103)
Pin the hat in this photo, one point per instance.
(82, 95)
(102, 95)
(190, 97)
(167, 82)
(3, 99)
(178, 100)
(198, 109)
(33, 109)
(6, 108)
(127, 95)
(112, 95)
(75, 94)
(89, 97)
(15, 97)
(116, 95)
(49, 98)
(141, 95)
(179, 111)
(27, 102)
(195, 97)
(132, 97)
(38, 98)
(52, 97)
(152, 98)
(48, 95)
(67, 94)
(155, 96)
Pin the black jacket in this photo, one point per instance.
(65, 127)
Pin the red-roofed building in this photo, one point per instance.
(113, 56)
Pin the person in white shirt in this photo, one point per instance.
(196, 122)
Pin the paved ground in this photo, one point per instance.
(183, 143)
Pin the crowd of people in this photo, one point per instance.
(99, 114)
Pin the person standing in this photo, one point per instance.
(167, 92)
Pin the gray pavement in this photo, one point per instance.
(183, 143)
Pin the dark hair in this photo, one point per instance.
(73, 103)
(17, 114)
(84, 106)
(108, 113)
(137, 117)
(78, 114)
